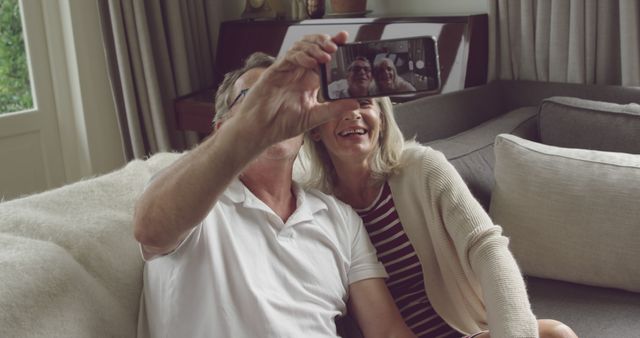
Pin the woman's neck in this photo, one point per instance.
(355, 185)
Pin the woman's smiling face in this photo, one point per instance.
(354, 135)
(385, 74)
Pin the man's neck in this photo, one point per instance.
(358, 91)
(271, 182)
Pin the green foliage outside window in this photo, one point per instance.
(15, 91)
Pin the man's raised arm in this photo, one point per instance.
(281, 104)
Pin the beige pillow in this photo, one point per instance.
(571, 214)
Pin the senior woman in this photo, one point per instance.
(450, 269)
(387, 80)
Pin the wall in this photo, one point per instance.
(233, 9)
(423, 7)
(95, 148)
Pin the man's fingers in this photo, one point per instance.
(340, 38)
(301, 58)
(314, 50)
(330, 44)
(322, 40)
(326, 42)
(317, 47)
(305, 60)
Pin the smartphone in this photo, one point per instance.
(382, 68)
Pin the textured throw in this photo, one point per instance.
(69, 265)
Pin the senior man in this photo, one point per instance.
(358, 80)
(233, 247)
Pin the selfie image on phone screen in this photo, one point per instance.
(382, 68)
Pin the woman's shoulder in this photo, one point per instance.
(420, 168)
(420, 162)
(405, 85)
(412, 152)
(415, 154)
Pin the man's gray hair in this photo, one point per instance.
(358, 58)
(223, 99)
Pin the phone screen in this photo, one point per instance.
(382, 68)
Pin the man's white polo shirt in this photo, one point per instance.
(245, 273)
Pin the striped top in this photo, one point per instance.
(405, 281)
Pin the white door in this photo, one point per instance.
(30, 146)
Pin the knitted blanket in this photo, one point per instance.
(69, 265)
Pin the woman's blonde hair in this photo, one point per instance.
(377, 68)
(319, 171)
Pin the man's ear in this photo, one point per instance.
(217, 125)
(315, 134)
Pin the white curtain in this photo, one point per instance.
(577, 41)
(157, 51)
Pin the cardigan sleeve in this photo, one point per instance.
(480, 248)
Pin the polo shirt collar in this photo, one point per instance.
(235, 191)
(305, 207)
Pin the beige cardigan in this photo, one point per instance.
(470, 276)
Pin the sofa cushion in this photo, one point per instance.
(590, 311)
(471, 152)
(571, 214)
(578, 123)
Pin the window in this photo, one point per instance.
(15, 88)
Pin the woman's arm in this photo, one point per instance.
(482, 251)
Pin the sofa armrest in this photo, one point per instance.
(70, 266)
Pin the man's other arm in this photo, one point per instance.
(181, 196)
(375, 310)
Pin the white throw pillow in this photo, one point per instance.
(571, 214)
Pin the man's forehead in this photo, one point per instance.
(360, 62)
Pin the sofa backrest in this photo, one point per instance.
(516, 93)
(435, 117)
(464, 124)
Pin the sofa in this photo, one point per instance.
(70, 267)
(558, 167)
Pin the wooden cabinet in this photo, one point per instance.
(462, 47)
